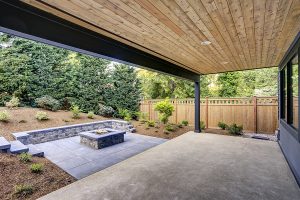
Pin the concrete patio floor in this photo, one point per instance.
(80, 160)
(193, 166)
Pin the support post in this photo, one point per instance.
(197, 107)
(255, 114)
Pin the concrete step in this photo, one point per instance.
(4, 144)
(34, 151)
(18, 147)
(132, 130)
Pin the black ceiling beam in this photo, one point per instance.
(26, 21)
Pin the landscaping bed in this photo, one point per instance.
(13, 172)
(22, 119)
(143, 129)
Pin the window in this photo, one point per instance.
(294, 92)
(289, 92)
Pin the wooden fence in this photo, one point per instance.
(256, 114)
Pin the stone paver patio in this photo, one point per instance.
(80, 160)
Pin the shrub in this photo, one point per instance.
(75, 112)
(106, 111)
(179, 125)
(184, 122)
(14, 102)
(47, 102)
(235, 129)
(202, 125)
(128, 118)
(91, 115)
(150, 123)
(23, 190)
(222, 125)
(170, 127)
(36, 167)
(41, 116)
(165, 109)
(143, 116)
(4, 116)
(25, 157)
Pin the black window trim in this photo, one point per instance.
(293, 50)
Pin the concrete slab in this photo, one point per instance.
(80, 160)
(193, 166)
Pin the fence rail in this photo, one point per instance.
(256, 114)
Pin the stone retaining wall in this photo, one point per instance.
(55, 133)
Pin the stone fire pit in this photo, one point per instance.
(102, 140)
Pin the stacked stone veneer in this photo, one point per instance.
(55, 133)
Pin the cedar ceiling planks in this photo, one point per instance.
(244, 34)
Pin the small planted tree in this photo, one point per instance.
(165, 109)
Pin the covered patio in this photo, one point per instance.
(193, 166)
(185, 39)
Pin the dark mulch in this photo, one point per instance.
(13, 172)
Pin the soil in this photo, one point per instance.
(158, 131)
(14, 172)
(22, 119)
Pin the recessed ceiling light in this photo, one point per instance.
(224, 62)
(206, 43)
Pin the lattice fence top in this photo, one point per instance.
(221, 101)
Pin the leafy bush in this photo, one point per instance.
(23, 190)
(235, 129)
(47, 102)
(222, 125)
(202, 125)
(170, 127)
(25, 157)
(91, 115)
(150, 123)
(184, 122)
(75, 112)
(36, 167)
(4, 116)
(165, 109)
(41, 116)
(179, 125)
(106, 111)
(14, 102)
(143, 116)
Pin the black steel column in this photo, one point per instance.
(197, 107)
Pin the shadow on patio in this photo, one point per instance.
(193, 166)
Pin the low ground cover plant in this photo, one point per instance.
(170, 127)
(36, 167)
(4, 116)
(202, 125)
(222, 125)
(165, 109)
(106, 111)
(150, 123)
(25, 157)
(75, 112)
(47, 102)
(23, 190)
(91, 115)
(13, 103)
(235, 129)
(41, 116)
(184, 122)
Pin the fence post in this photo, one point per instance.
(206, 110)
(175, 102)
(255, 113)
(149, 110)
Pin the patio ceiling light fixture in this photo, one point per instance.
(205, 43)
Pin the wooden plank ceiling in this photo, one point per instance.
(204, 36)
